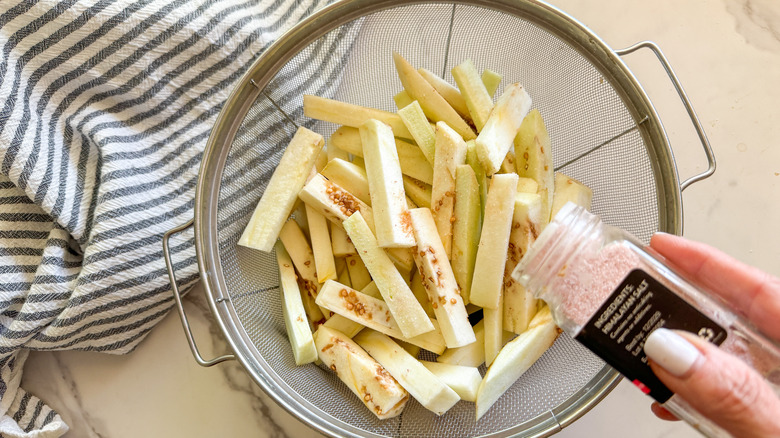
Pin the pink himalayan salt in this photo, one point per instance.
(582, 286)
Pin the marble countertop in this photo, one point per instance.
(727, 55)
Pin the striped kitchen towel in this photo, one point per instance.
(105, 109)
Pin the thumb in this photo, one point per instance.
(716, 384)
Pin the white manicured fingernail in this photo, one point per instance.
(671, 351)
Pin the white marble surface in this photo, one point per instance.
(726, 53)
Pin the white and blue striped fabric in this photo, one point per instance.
(105, 108)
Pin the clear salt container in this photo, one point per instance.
(608, 291)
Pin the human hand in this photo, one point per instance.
(716, 384)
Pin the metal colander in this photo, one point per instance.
(604, 133)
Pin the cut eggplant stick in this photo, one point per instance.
(321, 246)
(439, 281)
(448, 91)
(412, 349)
(527, 185)
(410, 316)
(516, 358)
(494, 330)
(534, 158)
(434, 105)
(348, 326)
(373, 313)
(402, 99)
(298, 330)
(519, 304)
(472, 355)
(422, 384)
(479, 172)
(496, 137)
(364, 376)
(342, 113)
(450, 153)
(491, 80)
(341, 269)
(348, 138)
(333, 201)
(282, 191)
(488, 275)
(359, 276)
(386, 186)
(463, 380)
(303, 258)
(413, 161)
(339, 240)
(466, 228)
(336, 152)
(414, 118)
(402, 259)
(418, 191)
(349, 176)
(321, 160)
(299, 215)
(475, 95)
(313, 312)
(508, 165)
(345, 325)
(372, 291)
(409, 203)
(568, 189)
(420, 293)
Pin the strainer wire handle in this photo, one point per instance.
(688, 107)
(180, 307)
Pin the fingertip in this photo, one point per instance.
(661, 240)
(662, 413)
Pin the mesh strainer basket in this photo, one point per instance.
(604, 133)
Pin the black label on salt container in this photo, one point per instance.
(639, 305)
